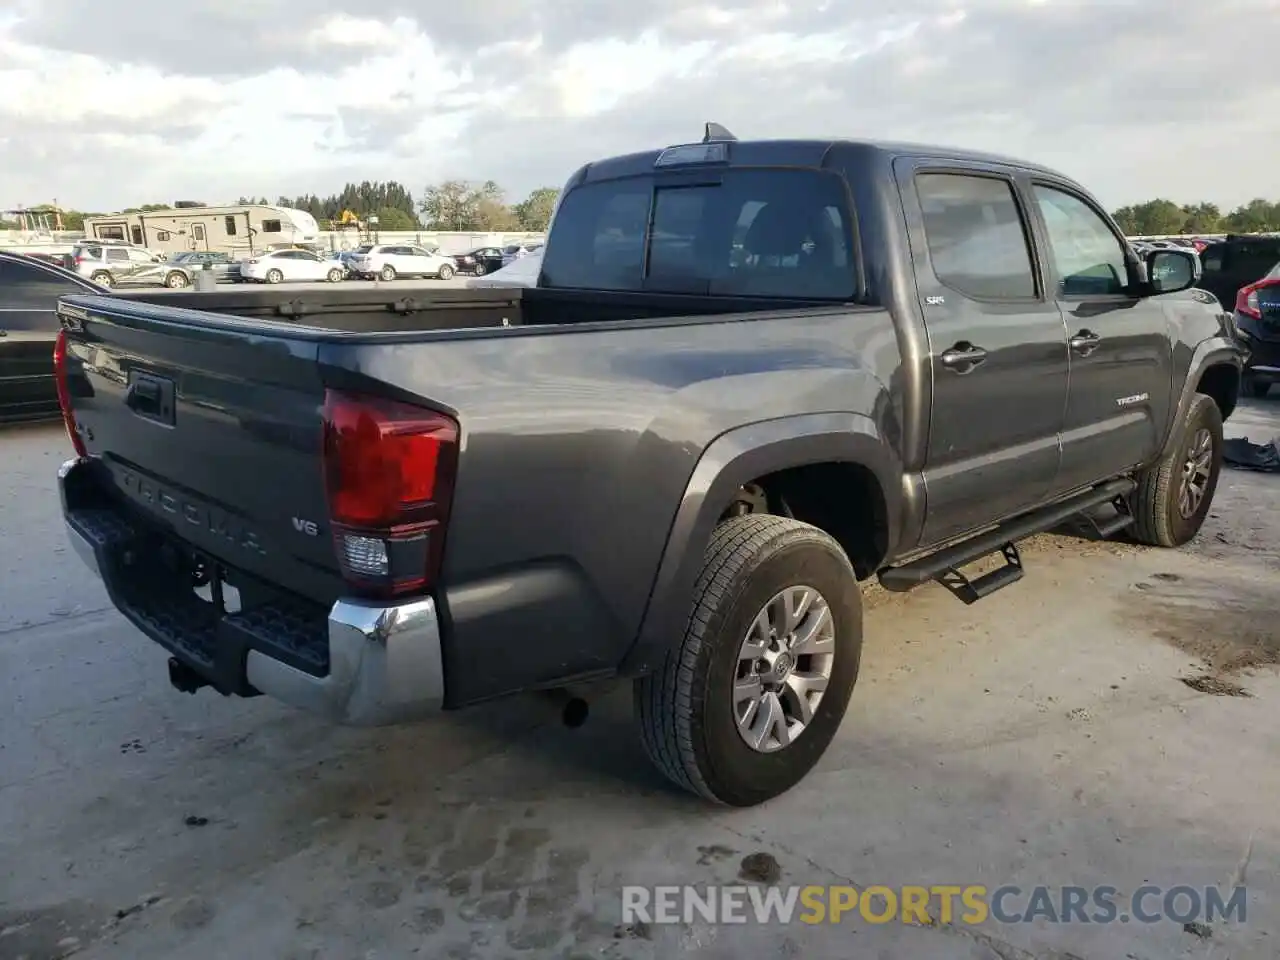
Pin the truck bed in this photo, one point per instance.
(360, 309)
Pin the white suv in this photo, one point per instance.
(387, 261)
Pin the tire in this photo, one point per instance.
(480, 270)
(1253, 387)
(1160, 517)
(103, 279)
(388, 273)
(446, 272)
(335, 275)
(686, 708)
(175, 280)
(274, 276)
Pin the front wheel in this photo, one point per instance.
(748, 700)
(446, 272)
(1253, 387)
(480, 270)
(175, 280)
(274, 276)
(1173, 497)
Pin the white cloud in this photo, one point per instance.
(107, 108)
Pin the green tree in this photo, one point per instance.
(1256, 216)
(393, 218)
(1202, 218)
(449, 206)
(534, 211)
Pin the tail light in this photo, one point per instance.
(64, 393)
(1247, 298)
(389, 474)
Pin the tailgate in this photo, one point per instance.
(211, 427)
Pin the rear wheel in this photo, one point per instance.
(747, 702)
(335, 275)
(103, 279)
(1173, 497)
(274, 276)
(1253, 387)
(388, 273)
(446, 272)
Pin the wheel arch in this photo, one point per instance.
(804, 460)
(1215, 365)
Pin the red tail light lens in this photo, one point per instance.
(1247, 301)
(389, 473)
(64, 393)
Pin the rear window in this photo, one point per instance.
(763, 233)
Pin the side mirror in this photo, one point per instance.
(1169, 271)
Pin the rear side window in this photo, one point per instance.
(976, 237)
(763, 233)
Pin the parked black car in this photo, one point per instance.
(1257, 315)
(29, 291)
(480, 261)
(1235, 262)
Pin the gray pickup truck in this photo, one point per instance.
(753, 374)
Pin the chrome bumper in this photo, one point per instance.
(385, 665)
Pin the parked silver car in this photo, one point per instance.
(116, 265)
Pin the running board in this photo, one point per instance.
(944, 566)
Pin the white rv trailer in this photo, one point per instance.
(239, 230)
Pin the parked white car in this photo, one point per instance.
(279, 266)
(386, 261)
(522, 272)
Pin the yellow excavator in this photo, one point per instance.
(347, 220)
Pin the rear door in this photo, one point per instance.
(1121, 352)
(119, 264)
(997, 346)
(29, 294)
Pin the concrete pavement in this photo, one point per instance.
(1042, 736)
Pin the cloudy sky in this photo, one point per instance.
(107, 105)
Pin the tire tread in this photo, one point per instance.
(664, 699)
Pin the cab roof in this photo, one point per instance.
(804, 153)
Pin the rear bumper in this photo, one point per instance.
(359, 663)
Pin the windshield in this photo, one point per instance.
(757, 232)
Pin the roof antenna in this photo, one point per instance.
(717, 132)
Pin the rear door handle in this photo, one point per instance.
(963, 357)
(1085, 342)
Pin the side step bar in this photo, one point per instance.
(944, 565)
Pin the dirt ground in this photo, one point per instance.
(1109, 720)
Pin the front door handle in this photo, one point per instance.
(963, 357)
(1085, 342)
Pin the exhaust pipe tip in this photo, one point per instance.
(575, 712)
(183, 678)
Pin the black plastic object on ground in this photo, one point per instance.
(1243, 455)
